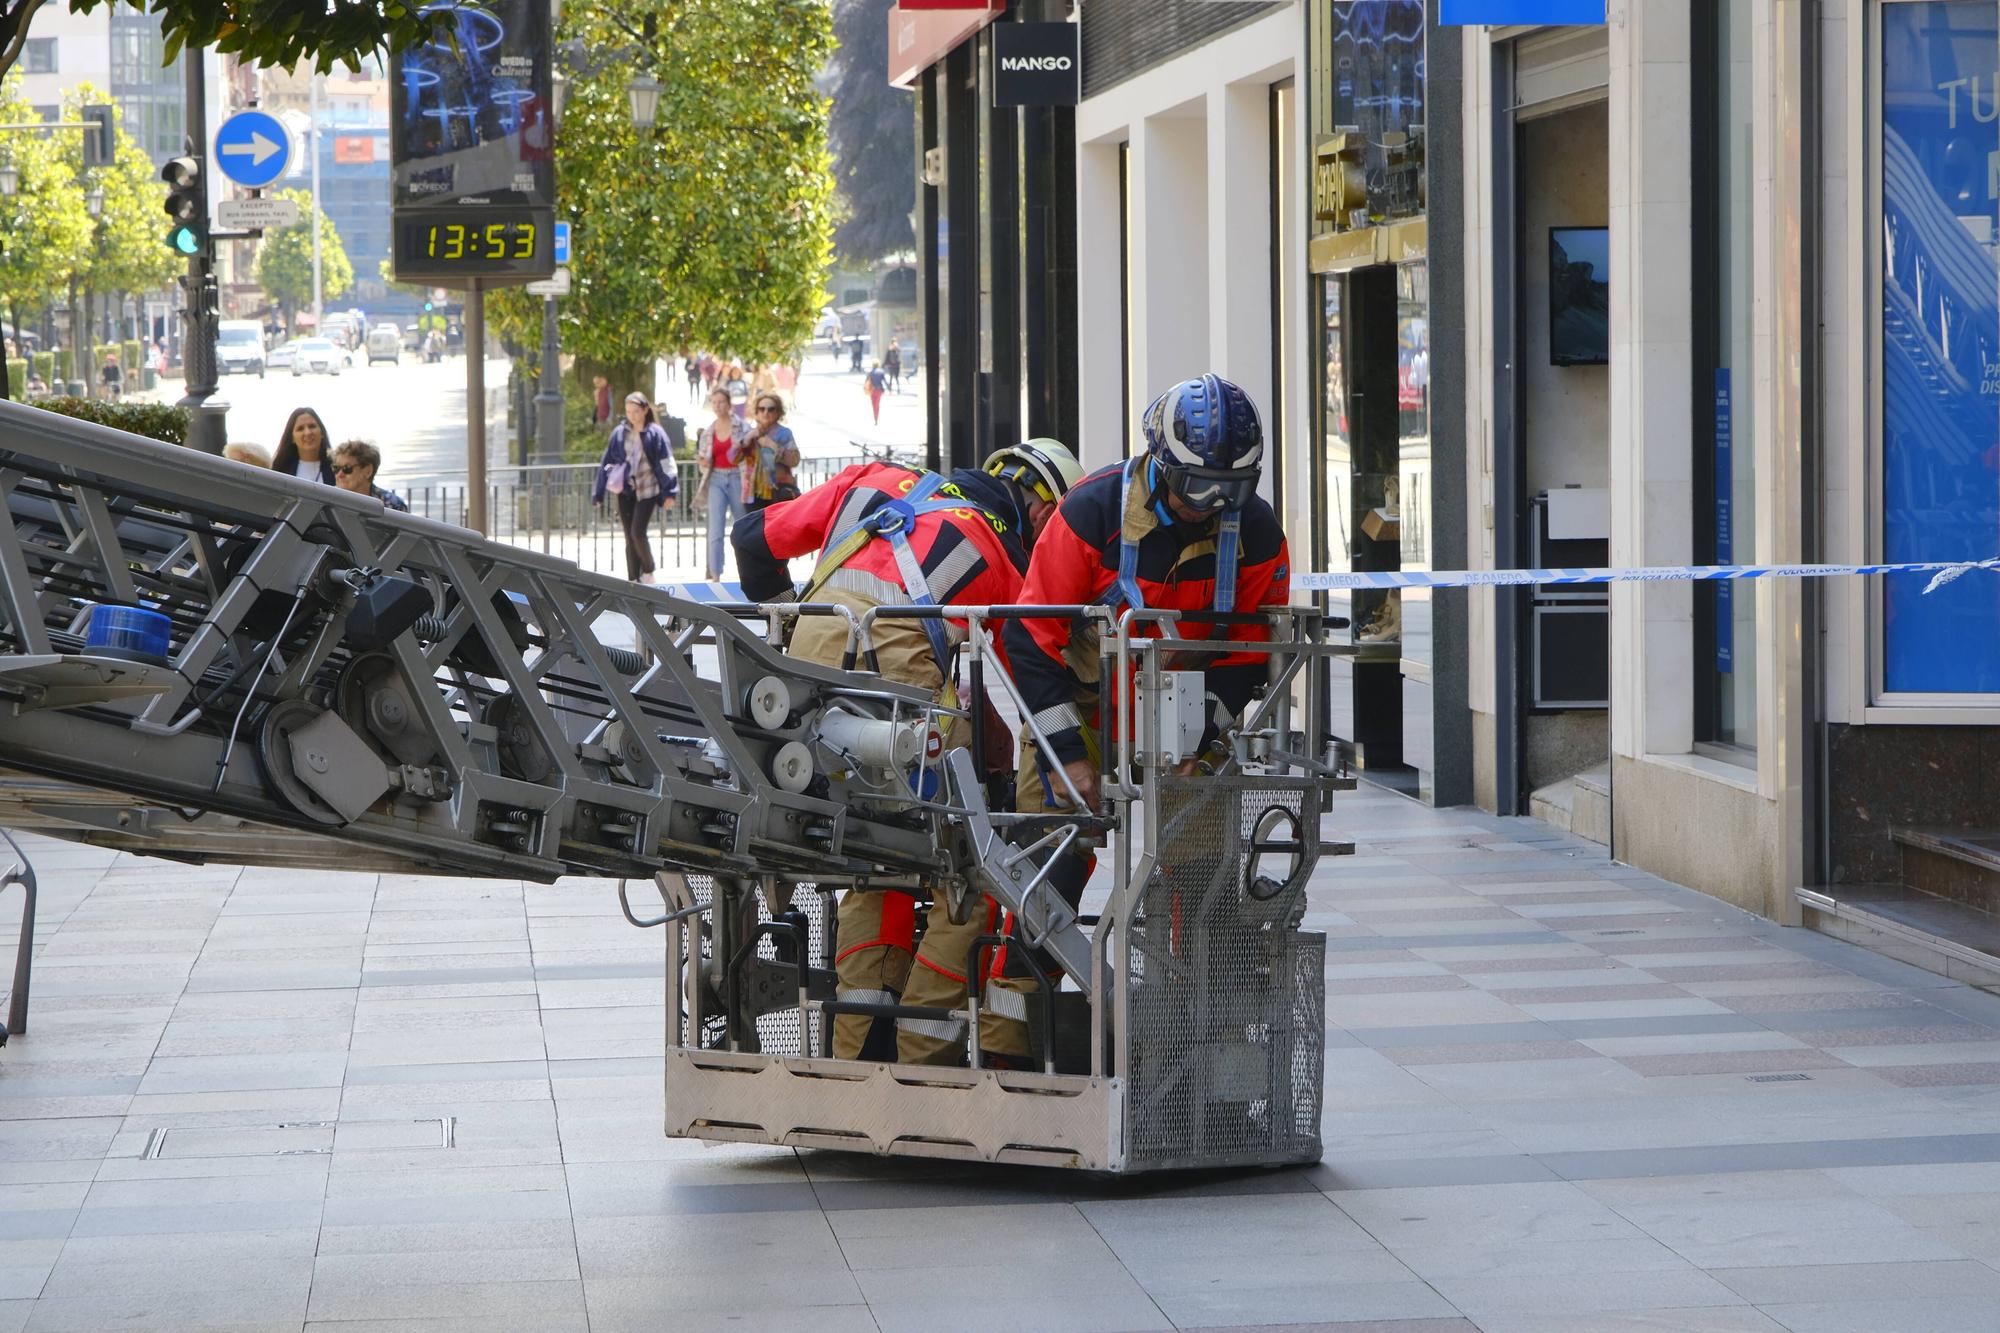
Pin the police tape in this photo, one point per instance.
(1942, 572)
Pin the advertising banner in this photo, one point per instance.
(1940, 478)
(473, 170)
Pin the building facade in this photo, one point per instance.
(1797, 225)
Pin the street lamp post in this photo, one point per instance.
(643, 99)
(548, 398)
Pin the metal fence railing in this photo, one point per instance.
(547, 507)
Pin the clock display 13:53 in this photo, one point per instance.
(494, 240)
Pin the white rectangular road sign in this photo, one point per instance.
(555, 286)
(253, 214)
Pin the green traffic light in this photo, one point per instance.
(185, 240)
(427, 307)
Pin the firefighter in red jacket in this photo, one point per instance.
(1181, 527)
(891, 535)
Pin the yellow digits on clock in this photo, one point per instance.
(496, 240)
(524, 241)
(454, 241)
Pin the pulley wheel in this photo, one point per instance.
(274, 757)
(522, 755)
(374, 699)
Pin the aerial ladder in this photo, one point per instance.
(208, 662)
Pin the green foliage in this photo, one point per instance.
(46, 226)
(126, 252)
(17, 378)
(285, 259)
(265, 32)
(134, 354)
(873, 135)
(713, 229)
(65, 362)
(155, 421)
(45, 366)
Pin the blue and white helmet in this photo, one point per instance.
(1208, 442)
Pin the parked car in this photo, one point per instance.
(239, 348)
(318, 356)
(385, 343)
(282, 356)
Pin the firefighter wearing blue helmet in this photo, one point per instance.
(1180, 527)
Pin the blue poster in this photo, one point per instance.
(1940, 482)
(1725, 538)
(1451, 12)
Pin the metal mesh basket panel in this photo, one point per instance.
(777, 1033)
(1227, 1001)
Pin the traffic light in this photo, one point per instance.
(100, 143)
(427, 307)
(185, 205)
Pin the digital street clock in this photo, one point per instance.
(494, 244)
(472, 182)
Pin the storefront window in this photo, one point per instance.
(1411, 502)
(1377, 87)
(1338, 460)
(1729, 502)
(1940, 478)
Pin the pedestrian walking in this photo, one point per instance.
(111, 376)
(855, 348)
(302, 451)
(355, 464)
(721, 447)
(892, 367)
(600, 411)
(638, 468)
(737, 387)
(770, 458)
(875, 384)
(692, 369)
(834, 345)
(709, 368)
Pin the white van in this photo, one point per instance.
(239, 347)
(385, 343)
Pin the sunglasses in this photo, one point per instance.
(346, 469)
(765, 407)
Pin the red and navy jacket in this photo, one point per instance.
(973, 555)
(1076, 564)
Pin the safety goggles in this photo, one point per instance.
(1208, 489)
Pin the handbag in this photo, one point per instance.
(615, 477)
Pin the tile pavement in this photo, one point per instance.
(1561, 1095)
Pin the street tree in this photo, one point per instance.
(279, 33)
(872, 132)
(124, 255)
(285, 259)
(44, 222)
(713, 228)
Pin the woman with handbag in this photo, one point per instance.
(721, 448)
(638, 468)
(771, 456)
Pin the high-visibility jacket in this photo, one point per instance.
(1112, 521)
(971, 554)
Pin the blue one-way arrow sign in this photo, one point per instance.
(252, 149)
(562, 243)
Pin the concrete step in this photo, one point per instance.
(1962, 865)
(1937, 934)
(1580, 805)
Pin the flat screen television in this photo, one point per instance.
(1579, 296)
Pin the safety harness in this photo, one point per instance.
(892, 521)
(1125, 592)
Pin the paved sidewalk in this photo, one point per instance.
(1562, 1095)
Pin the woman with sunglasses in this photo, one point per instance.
(771, 457)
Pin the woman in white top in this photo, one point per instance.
(303, 451)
